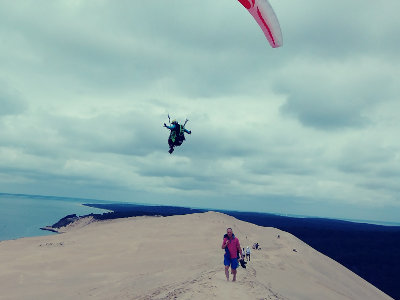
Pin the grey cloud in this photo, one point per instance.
(132, 45)
(126, 134)
(322, 115)
(60, 136)
(383, 186)
(369, 159)
(281, 164)
(10, 102)
(333, 95)
(341, 28)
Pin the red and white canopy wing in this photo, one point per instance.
(265, 16)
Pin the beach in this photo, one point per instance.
(175, 257)
(23, 215)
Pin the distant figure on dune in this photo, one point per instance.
(232, 247)
(248, 253)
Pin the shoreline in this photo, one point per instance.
(49, 228)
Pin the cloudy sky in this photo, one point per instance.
(311, 128)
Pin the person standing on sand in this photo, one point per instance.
(248, 253)
(232, 248)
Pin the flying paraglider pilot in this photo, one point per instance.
(177, 135)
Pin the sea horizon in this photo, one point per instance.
(22, 215)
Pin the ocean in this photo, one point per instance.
(23, 215)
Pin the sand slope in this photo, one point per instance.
(176, 257)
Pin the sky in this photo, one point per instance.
(310, 128)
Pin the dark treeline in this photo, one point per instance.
(126, 210)
(370, 251)
(122, 210)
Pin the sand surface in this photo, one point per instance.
(178, 257)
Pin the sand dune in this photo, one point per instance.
(176, 257)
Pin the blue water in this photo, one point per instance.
(23, 215)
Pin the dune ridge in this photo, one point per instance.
(176, 257)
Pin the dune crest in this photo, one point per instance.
(177, 257)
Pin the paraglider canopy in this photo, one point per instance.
(265, 16)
